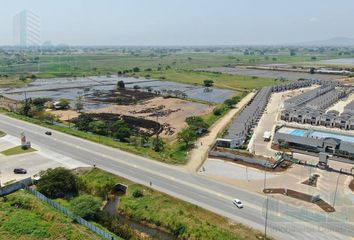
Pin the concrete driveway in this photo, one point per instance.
(33, 162)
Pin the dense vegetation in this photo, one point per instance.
(179, 218)
(182, 219)
(27, 218)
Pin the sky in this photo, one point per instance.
(183, 22)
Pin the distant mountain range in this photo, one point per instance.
(337, 42)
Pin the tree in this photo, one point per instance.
(82, 122)
(232, 101)
(46, 117)
(98, 127)
(86, 206)
(122, 133)
(208, 83)
(187, 136)
(57, 183)
(120, 130)
(79, 104)
(39, 102)
(136, 69)
(64, 103)
(120, 84)
(158, 144)
(136, 87)
(196, 122)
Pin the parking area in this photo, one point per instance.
(33, 162)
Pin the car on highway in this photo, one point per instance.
(20, 171)
(238, 203)
(48, 133)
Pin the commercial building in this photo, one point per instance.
(316, 141)
(26, 29)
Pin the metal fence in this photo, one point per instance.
(13, 187)
(71, 215)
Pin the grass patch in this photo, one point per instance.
(13, 81)
(24, 217)
(2, 134)
(185, 220)
(17, 150)
(233, 82)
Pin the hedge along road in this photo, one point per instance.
(191, 187)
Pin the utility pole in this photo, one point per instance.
(157, 146)
(265, 178)
(266, 219)
(247, 175)
(335, 193)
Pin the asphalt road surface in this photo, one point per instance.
(285, 221)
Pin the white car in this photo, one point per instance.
(238, 203)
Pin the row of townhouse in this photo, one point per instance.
(302, 99)
(237, 133)
(316, 114)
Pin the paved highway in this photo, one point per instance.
(284, 221)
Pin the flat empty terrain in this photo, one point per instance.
(169, 111)
(242, 71)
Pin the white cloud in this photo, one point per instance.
(313, 19)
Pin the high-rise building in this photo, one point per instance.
(26, 29)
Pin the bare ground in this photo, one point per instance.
(169, 112)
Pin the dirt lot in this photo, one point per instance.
(8, 104)
(169, 112)
(122, 97)
(64, 115)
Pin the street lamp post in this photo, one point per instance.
(335, 193)
(265, 178)
(266, 219)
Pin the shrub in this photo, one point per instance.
(179, 229)
(208, 83)
(217, 111)
(120, 85)
(57, 183)
(138, 193)
(86, 206)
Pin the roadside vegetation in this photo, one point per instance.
(151, 208)
(27, 218)
(17, 150)
(2, 134)
(114, 132)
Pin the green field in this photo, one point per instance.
(100, 63)
(17, 150)
(181, 218)
(233, 82)
(2, 134)
(12, 81)
(23, 217)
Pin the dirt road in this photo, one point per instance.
(200, 152)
